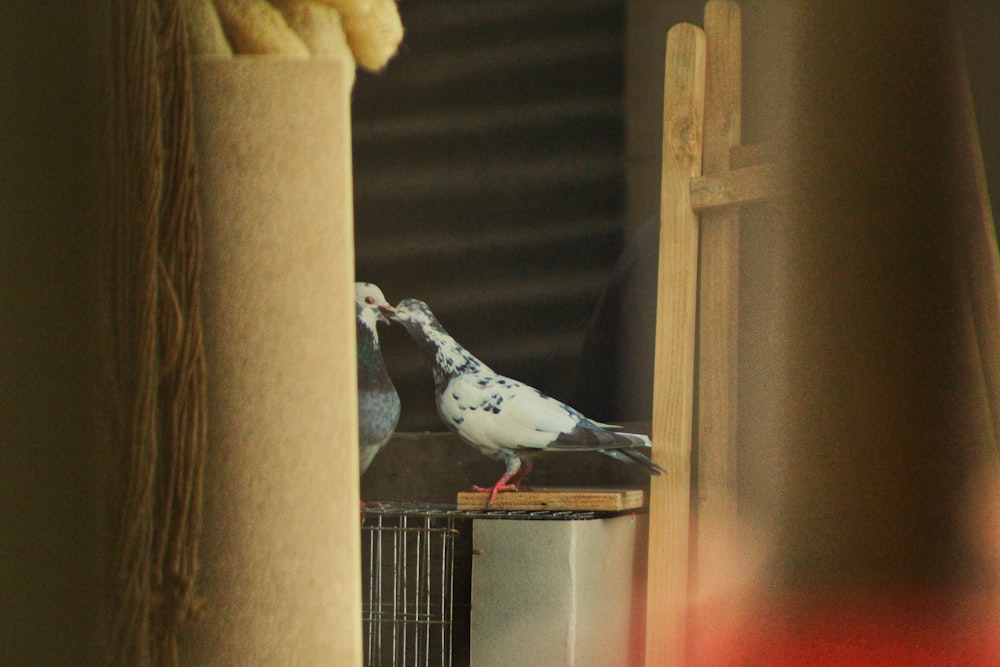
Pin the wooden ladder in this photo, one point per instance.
(706, 175)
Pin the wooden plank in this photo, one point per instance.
(739, 186)
(723, 89)
(673, 373)
(718, 324)
(557, 499)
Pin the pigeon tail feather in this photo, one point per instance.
(633, 457)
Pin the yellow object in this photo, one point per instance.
(369, 31)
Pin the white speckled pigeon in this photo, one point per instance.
(503, 418)
(378, 403)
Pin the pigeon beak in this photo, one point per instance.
(386, 313)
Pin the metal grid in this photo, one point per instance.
(443, 510)
(409, 568)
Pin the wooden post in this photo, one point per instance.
(673, 376)
(716, 504)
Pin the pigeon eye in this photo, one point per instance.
(370, 300)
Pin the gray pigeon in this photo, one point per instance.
(378, 402)
(503, 418)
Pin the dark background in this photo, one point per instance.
(490, 182)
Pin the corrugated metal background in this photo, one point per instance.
(490, 182)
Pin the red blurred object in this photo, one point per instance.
(844, 627)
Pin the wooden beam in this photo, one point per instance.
(673, 373)
(718, 317)
(739, 186)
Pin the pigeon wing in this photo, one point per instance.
(496, 412)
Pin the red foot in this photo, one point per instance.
(511, 480)
(501, 485)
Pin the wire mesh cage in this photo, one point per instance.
(408, 587)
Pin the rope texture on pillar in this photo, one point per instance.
(154, 331)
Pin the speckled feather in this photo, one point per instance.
(501, 417)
